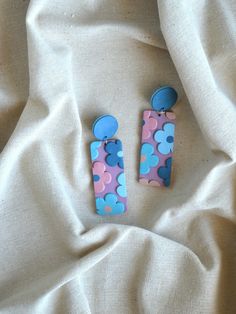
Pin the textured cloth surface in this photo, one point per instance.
(63, 63)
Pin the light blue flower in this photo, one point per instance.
(165, 138)
(109, 205)
(94, 149)
(148, 159)
(121, 189)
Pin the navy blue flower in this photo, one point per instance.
(115, 154)
(164, 172)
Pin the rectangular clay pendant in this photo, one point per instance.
(108, 177)
(156, 148)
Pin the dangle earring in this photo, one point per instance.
(157, 142)
(108, 168)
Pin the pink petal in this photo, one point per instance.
(143, 181)
(150, 183)
(106, 177)
(171, 115)
(152, 124)
(146, 115)
(146, 133)
(99, 186)
(98, 168)
(154, 183)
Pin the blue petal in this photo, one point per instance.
(121, 178)
(94, 149)
(153, 161)
(111, 147)
(165, 148)
(121, 163)
(147, 149)
(119, 144)
(121, 189)
(169, 129)
(118, 209)
(144, 168)
(167, 182)
(160, 136)
(111, 199)
(164, 172)
(100, 204)
(112, 160)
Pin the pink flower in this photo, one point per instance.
(149, 124)
(100, 177)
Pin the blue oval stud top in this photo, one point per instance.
(105, 127)
(164, 98)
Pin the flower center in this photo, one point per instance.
(108, 209)
(96, 178)
(143, 158)
(120, 153)
(170, 139)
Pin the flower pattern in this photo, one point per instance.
(164, 172)
(149, 124)
(109, 205)
(148, 159)
(101, 177)
(121, 189)
(165, 138)
(115, 154)
(94, 149)
(108, 177)
(157, 146)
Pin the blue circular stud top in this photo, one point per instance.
(164, 98)
(105, 127)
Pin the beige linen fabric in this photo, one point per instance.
(174, 251)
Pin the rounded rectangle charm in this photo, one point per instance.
(108, 177)
(158, 131)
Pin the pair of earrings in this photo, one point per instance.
(157, 145)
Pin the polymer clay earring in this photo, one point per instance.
(157, 142)
(108, 168)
